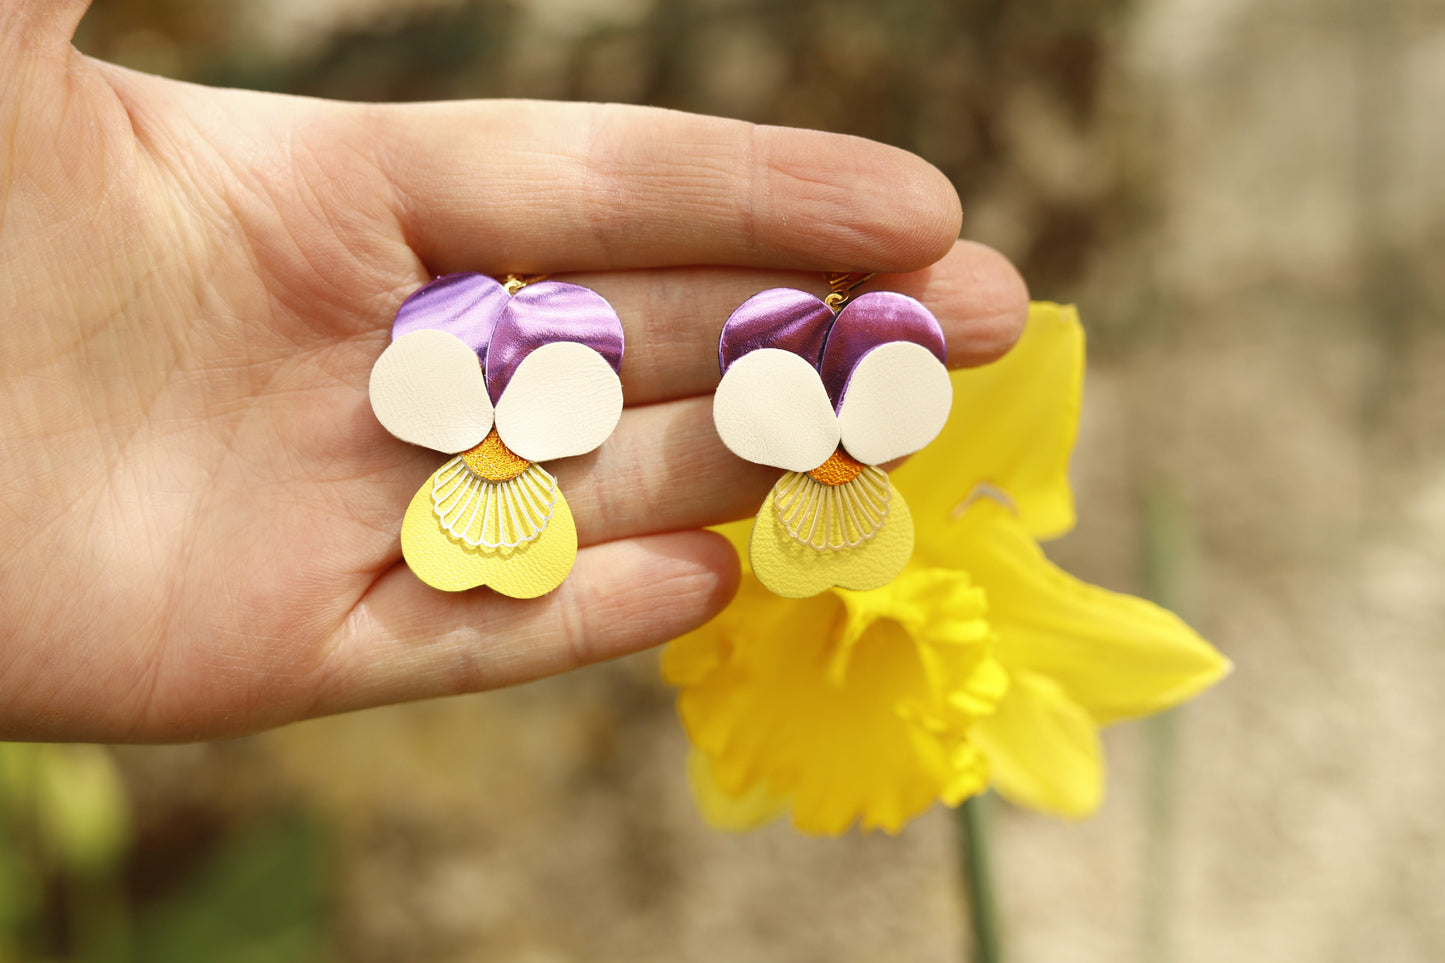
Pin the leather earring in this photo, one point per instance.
(501, 376)
(829, 389)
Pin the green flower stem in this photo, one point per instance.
(1156, 916)
(974, 821)
(1167, 545)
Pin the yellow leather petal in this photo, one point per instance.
(446, 563)
(796, 571)
(1042, 748)
(1012, 427)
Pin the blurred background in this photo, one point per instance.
(1247, 200)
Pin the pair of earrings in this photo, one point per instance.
(505, 375)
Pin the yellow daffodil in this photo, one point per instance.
(983, 664)
(854, 705)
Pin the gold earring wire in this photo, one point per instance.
(516, 282)
(841, 285)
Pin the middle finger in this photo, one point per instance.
(673, 316)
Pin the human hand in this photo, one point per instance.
(201, 513)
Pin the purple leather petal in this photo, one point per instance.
(545, 312)
(466, 305)
(866, 322)
(783, 318)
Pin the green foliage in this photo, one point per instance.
(66, 832)
(261, 898)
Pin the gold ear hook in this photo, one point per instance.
(841, 285)
(516, 282)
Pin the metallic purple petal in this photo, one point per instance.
(465, 305)
(545, 312)
(783, 318)
(866, 322)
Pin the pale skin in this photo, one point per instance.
(200, 513)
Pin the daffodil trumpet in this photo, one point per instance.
(501, 377)
(828, 391)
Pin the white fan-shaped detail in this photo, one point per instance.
(832, 517)
(427, 388)
(897, 401)
(771, 408)
(564, 399)
(493, 514)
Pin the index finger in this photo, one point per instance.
(519, 186)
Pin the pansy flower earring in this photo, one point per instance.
(502, 377)
(829, 389)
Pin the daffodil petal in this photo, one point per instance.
(1043, 749)
(691, 658)
(1115, 655)
(737, 534)
(794, 570)
(1012, 427)
(755, 807)
(449, 564)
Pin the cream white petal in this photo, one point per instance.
(896, 402)
(564, 399)
(427, 388)
(771, 408)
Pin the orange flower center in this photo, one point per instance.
(493, 461)
(839, 469)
